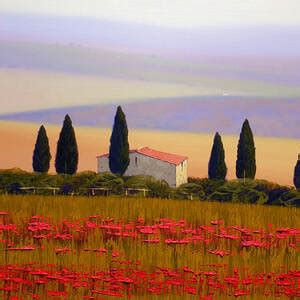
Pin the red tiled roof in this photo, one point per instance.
(167, 157)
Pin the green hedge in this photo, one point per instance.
(250, 191)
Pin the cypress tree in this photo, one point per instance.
(41, 154)
(217, 167)
(297, 174)
(246, 162)
(119, 146)
(66, 160)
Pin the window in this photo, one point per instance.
(136, 161)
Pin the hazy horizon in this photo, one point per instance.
(168, 13)
(70, 54)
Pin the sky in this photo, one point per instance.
(168, 13)
(94, 51)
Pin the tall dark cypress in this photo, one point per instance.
(119, 146)
(41, 154)
(217, 167)
(246, 162)
(297, 174)
(66, 160)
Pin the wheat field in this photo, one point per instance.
(180, 244)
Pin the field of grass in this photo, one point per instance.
(90, 248)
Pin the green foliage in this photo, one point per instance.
(235, 191)
(109, 181)
(217, 167)
(67, 189)
(41, 154)
(224, 193)
(138, 181)
(290, 198)
(246, 162)
(67, 151)
(221, 196)
(158, 189)
(273, 190)
(83, 180)
(208, 185)
(14, 188)
(12, 176)
(297, 175)
(119, 146)
(239, 192)
(186, 190)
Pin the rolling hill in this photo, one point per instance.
(199, 114)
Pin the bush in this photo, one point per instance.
(67, 189)
(187, 189)
(158, 189)
(12, 176)
(250, 196)
(83, 179)
(138, 181)
(250, 191)
(239, 191)
(291, 198)
(208, 185)
(220, 196)
(14, 188)
(109, 181)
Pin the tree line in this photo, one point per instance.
(246, 161)
(66, 160)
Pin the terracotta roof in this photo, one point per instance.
(167, 157)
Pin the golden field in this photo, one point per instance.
(276, 157)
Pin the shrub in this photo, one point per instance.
(220, 196)
(291, 198)
(139, 181)
(248, 191)
(158, 189)
(109, 181)
(187, 189)
(239, 191)
(67, 189)
(14, 188)
(208, 185)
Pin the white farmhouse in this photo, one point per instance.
(145, 161)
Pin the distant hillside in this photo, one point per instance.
(221, 41)
(276, 118)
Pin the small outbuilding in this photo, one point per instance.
(145, 161)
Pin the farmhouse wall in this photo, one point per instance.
(145, 165)
(181, 173)
(141, 164)
(103, 164)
